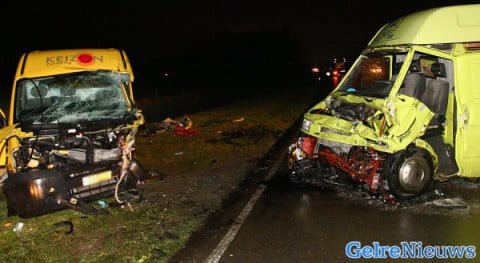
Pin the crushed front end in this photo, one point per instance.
(75, 142)
(366, 132)
(329, 140)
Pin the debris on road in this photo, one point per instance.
(246, 136)
(184, 132)
(180, 127)
(102, 203)
(166, 125)
(170, 235)
(159, 253)
(68, 224)
(450, 203)
(155, 174)
(328, 179)
(239, 119)
(18, 227)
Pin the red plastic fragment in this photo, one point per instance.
(181, 131)
(308, 145)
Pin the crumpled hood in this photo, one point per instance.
(391, 125)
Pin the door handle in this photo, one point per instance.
(464, 117)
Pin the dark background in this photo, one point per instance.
(235, 47)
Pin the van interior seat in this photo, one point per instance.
(414, 82)
(435, 96)
(413, 85)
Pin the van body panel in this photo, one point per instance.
(453, 24)
(468, 119)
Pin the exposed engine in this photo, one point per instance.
(73, 146)
(315, 157)
(349, 111)
(70, 166)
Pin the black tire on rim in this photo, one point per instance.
(411, 173)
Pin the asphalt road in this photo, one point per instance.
(295, 225)
(289, 224)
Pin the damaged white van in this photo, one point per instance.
(407, 112)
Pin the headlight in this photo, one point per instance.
(306, 124)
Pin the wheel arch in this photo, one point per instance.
(427, 148)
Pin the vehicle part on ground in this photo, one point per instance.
(309, 158)
(68, 224)
(126, 157)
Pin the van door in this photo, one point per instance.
(3, 156)
(431, 79)
(4, 133)
(468, 115)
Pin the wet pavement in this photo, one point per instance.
(291, 224)
(311, 225)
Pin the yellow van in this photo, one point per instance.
(406, 112)
(70, 132)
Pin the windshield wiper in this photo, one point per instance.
(25, 115)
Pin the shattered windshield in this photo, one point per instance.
(373, 75)
(70, 98)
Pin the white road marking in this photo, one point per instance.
(218, 252)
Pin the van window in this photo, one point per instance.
(430, 79)
(373, 75)
(71, 98)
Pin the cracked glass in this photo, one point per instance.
(71, 98)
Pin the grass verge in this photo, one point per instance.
(198, 173)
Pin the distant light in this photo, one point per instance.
(328, 73)
(165, 74)
(315, 70)
(335, 72)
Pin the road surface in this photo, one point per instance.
(288, 224)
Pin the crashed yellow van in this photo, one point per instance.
(407, 112)
(70, 132)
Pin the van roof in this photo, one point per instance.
(452, 24)
(53, 62)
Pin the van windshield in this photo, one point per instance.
(373, 75)
(71, 98)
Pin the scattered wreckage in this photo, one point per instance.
(406, 112)
(181, 127)
(71, 130)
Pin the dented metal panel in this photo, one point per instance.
(468, 116)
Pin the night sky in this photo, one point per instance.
(193, 39)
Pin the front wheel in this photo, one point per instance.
(411, 174)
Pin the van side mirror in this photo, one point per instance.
(3, 119)
(441, 119)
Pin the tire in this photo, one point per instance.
(411, 174)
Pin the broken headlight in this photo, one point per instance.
(306, 124)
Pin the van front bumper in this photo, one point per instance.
(36, 192)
